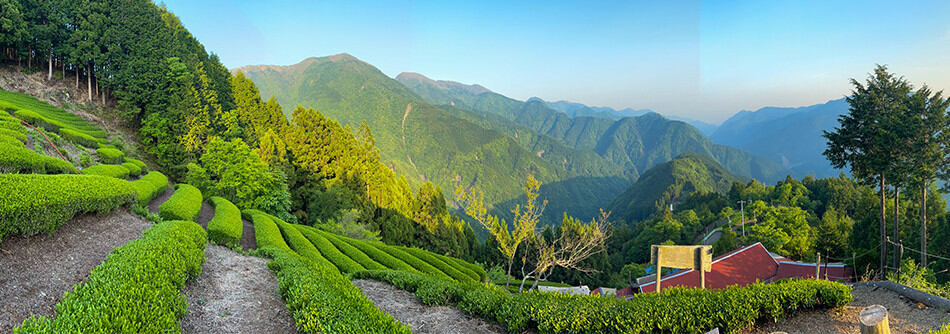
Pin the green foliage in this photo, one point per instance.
(266, 232)
(79, 138)
(328, 250)
(184, 204)
(141, 165)
(43, 115)
(15, 159)
(676, 310)
(477, 272)
(323, 301)
(116, 171)
(30, 204)
(10, 141)
(12, 125)
(302, 246)
(137, 289)
(351, 252)
(378, 255)
(110, 156)
(150, 186)
(226, 227)
(133, 169)
(13, 134)
(920, 278)
(434, 261)
(415, 262)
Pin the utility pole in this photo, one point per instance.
(742, 215)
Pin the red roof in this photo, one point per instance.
(745, 266)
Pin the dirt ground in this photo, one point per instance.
(235, 294)
(205, 215)
(157, 201)
(37, 270)
(406, 308)
(905, 316)
(248, 237)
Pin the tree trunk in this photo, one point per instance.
(89, 89)
(49, 76)
(508, 274)
(923, 226)
(883, 265)
(77, 77)
(897, 196)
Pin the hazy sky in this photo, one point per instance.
(704, 60)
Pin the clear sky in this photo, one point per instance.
(699, 59)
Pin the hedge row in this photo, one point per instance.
(326, 248)
(132, 168)
(302, 246)
(79, 138)
(185, 204)
(431, 259)
(266, 232)
(141, 165)
(323, 301)
(31, 203)
(352, 252)
(10, 141)
(38, 120)
(150, 186)
(13, 134)
(413, 261)
(379, 256)
(226, 226)
(137, 289)
(116, 171)
(110, 155)
(476, 271)
(676, 310)
(12, 125)
(14, 159)
(14, 101)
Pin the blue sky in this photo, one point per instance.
(703, 60)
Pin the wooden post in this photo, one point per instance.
(874, 320)
(659, 270)
(817, 265)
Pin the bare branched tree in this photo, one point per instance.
(574, 243)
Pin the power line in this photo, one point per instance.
(919, 252)
(856, 256)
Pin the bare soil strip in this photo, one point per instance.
(205, 215)
(905, 316)
(248, 237)
(406, 308)
(37, 270)
(235, 294)
(153, 205)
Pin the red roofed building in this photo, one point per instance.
(745, 266)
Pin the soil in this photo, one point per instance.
(206, 214)
(235, 294)
(153, 205)
(905, 316)
(37, 270)
(406, 308)
(248, 238)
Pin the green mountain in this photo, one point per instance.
(633, 143)
(667, 182)
(449, 148)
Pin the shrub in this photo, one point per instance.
(15, 159)
(13, 134)
(79, 138)
(413, 261)
(12, 125)
(378, 255)
(138, 163)
(137, 289)
(110, 155)
(676, 310)
(226, 226)
(116, 171)
(323, 301)
(10, 141)
(150, 186)
(466, 267)
(133, 169)
(38, 120)
(266, 232)
(302, 246)
(340, 260)
(185, 204)
(352, 252)
(30, 204)
(431, 259)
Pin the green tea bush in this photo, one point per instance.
(413, 261)
(137, 289)
(12, 102)
(378, 255)
(326, 248)
(302, 246)
(79, 138)
(184, 204)
(150, 186)
(132, 168)
(138, 163)
(14, 159)
(13, 134)
(116, 171)
(31, 203)
(38, 120)
(10, 141)
(110, 155)
(226, 226)
(431, 259)
(675, 310)
(352, 252)
(464, 267)
(323, 301)
(266, 232)
(12, 125)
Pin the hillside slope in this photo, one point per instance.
(662, 185)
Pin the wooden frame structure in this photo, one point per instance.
(698, 258)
